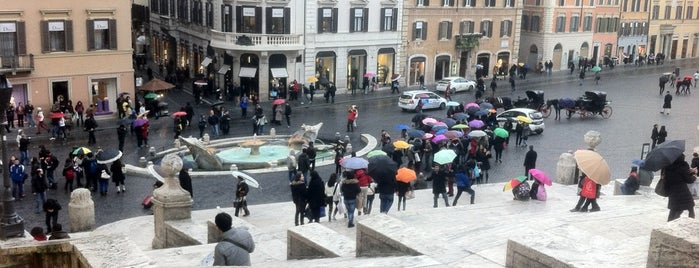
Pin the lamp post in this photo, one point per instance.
(11, 224)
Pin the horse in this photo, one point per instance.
(500, 102)
(553, 104)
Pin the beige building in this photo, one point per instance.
(674, 29)
(449, 38)
(78, 50)
(633, 31)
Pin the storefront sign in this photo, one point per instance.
(101, 25)
(358, 12)
(8, 27)
(248, 11)
(327, 13)
(277, 13)
(56, 26)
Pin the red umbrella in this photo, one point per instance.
(278, 101)
(57, 115)
(179, 113)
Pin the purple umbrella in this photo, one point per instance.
(439, 138)
(476, 123)
(140, 122)
(472, 104)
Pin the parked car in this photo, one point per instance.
(536, 126)
(409, 99)
(455, 84)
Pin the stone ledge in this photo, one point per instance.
(311, 241)
(519, 255)
(382, 236)
(675, 244)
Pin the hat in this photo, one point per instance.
(354, 106)
(38, 108)
(223, 221)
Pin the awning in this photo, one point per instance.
(206, 62)
(224, 69)
(279, 72)
(247, 72)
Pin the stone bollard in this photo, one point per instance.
(234, 167)
(346, 140)
(565, 169)
(151, 153)
(177, 143)
(170, 203)
(349, 148)
(592, 139)
(81, 211)
(206, 139)
(273, 132)
(142, 162)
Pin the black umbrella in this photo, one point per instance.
(663, 155)
(323, 81)
(417, 119)
(388, 148)
(415, 133)
(108, 156)
(218, 103)
(382, 167)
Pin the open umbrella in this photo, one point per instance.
(663, 155)
(513, 183)
(367, 75)
(452, 134)
(427, 136)
(156, 85)
(406, 175)
(501, 132)
(472, 104)
(441, 131)
(150, 96)
(415, 133)
(354, 163)
(459, 116)
(179, 113)
(57, 115)
(140, 122)
(81, 150)
(450, 122)
(401, 145)
(524, 119)
(375, 153)
(401, 127)
(108, 156)
(278, 101)
(439, 124)
(540, 176)
(453, 103)
(312, 79)
(459, 126)
(596, 69)
(438, 127)
(439, 138)
(395, 77)
(382, 169)
(593, 165)
(217, 103)
(476, 123)
(482, 112)
(144, 113)
(485, 105)
(444, 156)
(477, 134)
(429, 120)
(472, 109)
(201, 82)
(247, 178)
(323, 81)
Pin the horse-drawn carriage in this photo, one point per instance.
(591, 104)
(535, 100)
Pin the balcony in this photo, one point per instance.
(16, 64)
(256, 42)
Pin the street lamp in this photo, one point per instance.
(11, 224)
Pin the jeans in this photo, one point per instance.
(24, 157)
(40, 200)
(17, 189)
(30, 120)
(50, 177)
(386, 202)
(103, 185)
(351, 205)
(464, 189)
(444, 195)
(292, 173)
(215, 130)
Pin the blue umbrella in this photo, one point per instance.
(459, 116)
(415, 133)
(485, 105)
(354, 163)
(450, 122)
(638, 162)
(401, 127)
(441, 131)
(482, 112)
(438, 127)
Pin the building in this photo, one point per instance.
(674, 29)
(605, 36)
(450, 38)
(633, 30)
(77, 50)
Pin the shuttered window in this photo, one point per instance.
(506, 28)
(12, 39)
(444, 30)
(389, 19)
(420, 30)
(487, 28)
(466, 27)
(101, 34)
(249, 19)
(56, 35)
(359, 21)
(278, 20)
(327, 20)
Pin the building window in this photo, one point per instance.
(101, 34)
(560, 24)
(278, 20)
(622, 32)
(327, 20)
(183, 10)
(210, 15)
(563, 2)
(637, 7)
(358, 19)
(487, 28)
(389, 19)
(12, 39)
(444, 30)
(525, 23)
(577, 3)
(489, 3)
(419, 30)
(469, 3)
(624, 5)
(678, 13)
(668, 11)
(574, 23)
(466, 27)
(656, 13)
(249, 19)
(690, 10)
(509, 3)
(447, 3)
(422, 3)
(506, 28)
(197, 17)
(612, 25)
(537, 2)
(535, 23)
(57, 35)
(226, 18)
(587, 23)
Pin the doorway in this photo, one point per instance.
(59, 92)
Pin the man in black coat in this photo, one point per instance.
(303, 163)
(667, 103)
(186, 181)
(529, 161)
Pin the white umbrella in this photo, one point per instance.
(249, 180)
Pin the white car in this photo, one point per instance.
(455, 84)
(409, 99)
(536, 126)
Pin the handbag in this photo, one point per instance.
(660, 187)
(341, 208)
(417, 157)
(410, 195)
(589, 189)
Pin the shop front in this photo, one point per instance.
(278, 86)
(483, 66)
(385, 65)
(103, 93)
(417, 70)
(249, 75)
(356, 67)
(441, 67)
(326, 62)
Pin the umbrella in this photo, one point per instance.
(369, 75)
(596, 69)
(150, 96)
(593, 165)
(401, 127)
(513, 183)
(406, 175)
(501, 132)
(427, 136)
(144, 113)
(439, 124)
(438, 138)
(438, 127)
(452, 134)
(248, 180)
(354, 163)
(140, 122)
(472, 109)
(444, 156)
(156, 85)
(540, 176)
(375, 153)
(476, 123)
(388, 148)
(401, 145)
(57, 115)
(415, 133)
(312, 79)
(218, 103)
(482, 112)
(179, 113)
(441, 131)
(477, 134)
(688, 77)
(472, 104)
(453, 103)
(486, 105)
(450, 122)
(82, 150)
(429, 120)
(108, 156)
(663, 155)
(638, 162)
(278, 101)
(459, 116)
(459, 126)
(395, 77)
(201, 82)
(323, 81)
(524, 119)
(382, 169)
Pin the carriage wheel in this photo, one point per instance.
(545, 110)
(606, 112)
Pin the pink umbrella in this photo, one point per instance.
(429, 120)
(427, 136)
(476, 123)
(439, 138)
(540, 176)
(472, 104)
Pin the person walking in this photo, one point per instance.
(581, 76)
(40, 121)
(463, 184)
(90, 126)
(29, 114)
(662, 135)
(244, 106)
(298, 196)
(402, 189)
(667, 103)
(236, 244)
(291, 165)
(493, 86)
(121, 136)
(241, 193)
(677, 176)
(350, 190)
(118, 176)
(287, 114)
(661, 83)
(386, 188)
(39, 187)
(529, 161)
(439, 179)
(315, 195)
(654, 136)
(51, 208)
(351, 116)
(512, 82)
(331, 191)
(19, 110)
(696, 78)
(363, 180)
(201, 125)
(303, 162)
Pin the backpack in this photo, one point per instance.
(69, 174)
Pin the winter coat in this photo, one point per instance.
(350, 189)
(484, 158)
(235, 248)
(298, 192)
(186, 182)
(242, 190)
(530, 159)
(667, 102)
(39, 184)
(386, 185)
(439, 180)
(315, 194)
(402, 188)
(363, 178)
(462, 180)
(117, 173)
(303, 163)
(631, 184)
(662, 135)
(677, 176)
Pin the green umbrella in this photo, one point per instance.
(501, 132)
(375, 153)
(596, 69)
(459, 126)
(151, 96)
(444, 156)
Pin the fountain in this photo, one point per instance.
(254, 145)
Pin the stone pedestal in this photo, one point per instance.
(565, 169)
(170, 201)
(81, 211)
(675, 245)
(206, 138)
(592, 139)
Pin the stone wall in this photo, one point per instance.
(675, 245)
(48, 254)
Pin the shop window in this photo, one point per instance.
(327, 20)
